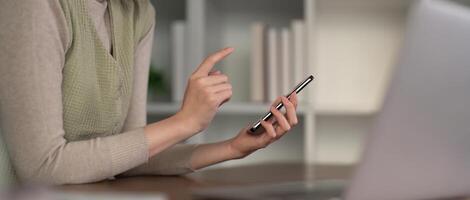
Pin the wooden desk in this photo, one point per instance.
(179, 187)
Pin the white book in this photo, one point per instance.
(285, 62)
(179, 71)
(257, 75)
(272, 64)
(299, 71)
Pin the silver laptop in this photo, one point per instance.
(419, 147)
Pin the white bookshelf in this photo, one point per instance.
(232, 108)
(352, 48)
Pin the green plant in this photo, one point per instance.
(157, 86)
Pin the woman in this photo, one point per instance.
(73, 94)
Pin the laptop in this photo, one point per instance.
(419, 146)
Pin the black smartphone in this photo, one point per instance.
(257, 129)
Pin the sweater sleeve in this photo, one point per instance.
(174, 160)
(33, 42)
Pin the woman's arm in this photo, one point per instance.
(244, 143)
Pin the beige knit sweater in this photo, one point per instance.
(33, 45)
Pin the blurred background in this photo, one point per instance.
(350, 46)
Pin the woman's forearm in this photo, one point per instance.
(168, 132)
(212, 153)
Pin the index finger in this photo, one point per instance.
(209, 62)
(293, 98)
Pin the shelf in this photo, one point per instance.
(162, 108)
(345, 112)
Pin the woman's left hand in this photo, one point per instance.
(245, 143)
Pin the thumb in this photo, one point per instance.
(208, 63)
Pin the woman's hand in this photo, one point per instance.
(205, 92)
(244, 143)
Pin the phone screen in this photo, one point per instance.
(257, 129)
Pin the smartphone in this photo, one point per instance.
(257, 129)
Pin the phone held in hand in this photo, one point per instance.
(257, 129)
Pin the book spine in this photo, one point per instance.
(179, 78)
(285, 62)
(257, 75)
(272, 64)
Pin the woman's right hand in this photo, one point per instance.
(205, 92)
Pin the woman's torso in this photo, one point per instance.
(97, 73)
